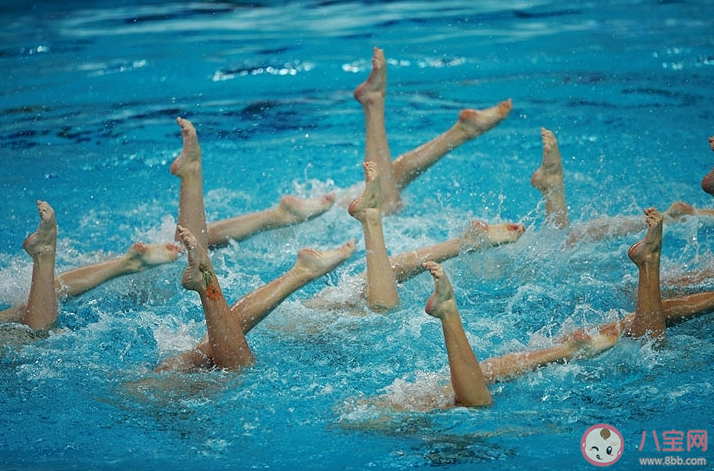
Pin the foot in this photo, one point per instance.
(476, 122)
(480, 234)
(189, 160)
(648, 249)
(648, 320)
(369, 204)
(44, 239)
(550, 174)
(679, 209)
(708, 183)
(374, 88)
(295, 210)
(141, 256)
(315, 263)
(442, 302)
(196, 276)
(708, 180)
(584, 345)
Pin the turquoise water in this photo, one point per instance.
(87, 117)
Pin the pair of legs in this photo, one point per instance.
(549, 180)
(470, 380)
(225, 344)
(384, 180)
(384, 272)
(192, 214)
(398, 173)
(478, 235)
(40, 311)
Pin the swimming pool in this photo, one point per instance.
(90, 94)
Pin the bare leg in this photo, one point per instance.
(254, 307)
(548, 179)
(371, 95)
(13, 314)
(41, 310)
(291, 210)
(311, 264)
(616, 226)
(577, 345)
(471, 124)
(228, 345)
(708, 180)
(381, 283)
(675, 309)
(649, 320)
(138, 258)
(682, 307)
(479, 235)
(187, 166)
(680, 209)
(466, 376)
(407, 265)
(604, 227)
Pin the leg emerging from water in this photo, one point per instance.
(41, 309)
(579, 344)
(466, 376)
(478, 236)
(548, 179)
(311, 264)
(291, 210)
(187, 166)
(617, 226)
(370, 94)
(226, 342)
(649, 319)
(247, 312)
(138, 258)
(407, 265)
(381, 282)
(471, 124)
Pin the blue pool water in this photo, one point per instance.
(90, 94)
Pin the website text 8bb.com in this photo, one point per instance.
(673, 461)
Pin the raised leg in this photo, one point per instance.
(138, 258)
(311, 264)
(679, 308)
(228, 345)
(41, 309)
(649, 319)
(548, 179)
(381, 283)
(471, 124)
(616, 226)
(370, 94)
(187, 166)
(479, 235)
(466, 376)
(579, 344)
(291, 210)
(13, 314)
(679, 209)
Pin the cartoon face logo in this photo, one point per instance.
(601, 445)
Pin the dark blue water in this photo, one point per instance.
(87, 122)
